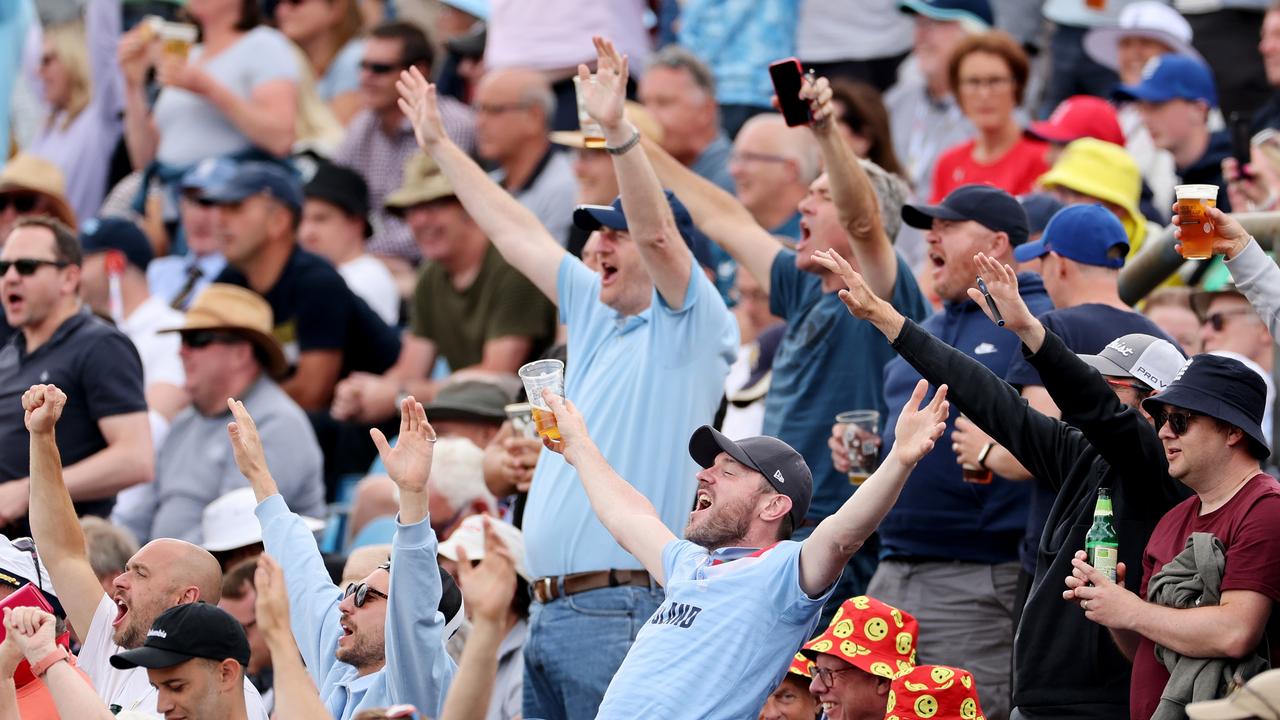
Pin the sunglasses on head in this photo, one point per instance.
(362, 591)
(1218, 320)
(21, 202)
(197, 339)
(1179, 420)
(377, 68)
(28, 266)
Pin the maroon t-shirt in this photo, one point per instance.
(1249, 527)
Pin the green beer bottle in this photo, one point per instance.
(1101, 543)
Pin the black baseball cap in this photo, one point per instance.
(103, 234)
(989, 206)
(185, 632)
(343, 188)
(594, 217)
(1222, 388)
(780, 464)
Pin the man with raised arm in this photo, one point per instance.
(164, 573)
(377, 643)
(741, 598)
(649, 342)
(853, 209)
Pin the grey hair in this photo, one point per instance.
(891, 192)
(110, 546)
(679, 58)
(539, 95)
(799, 146)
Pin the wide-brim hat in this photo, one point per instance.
(470, 400)
(231, 308)
(870, 635)
(28, 173)
(423, 182)
(641, 118)
(1149, 19)
(1103, 171)
(1259, 698)
(229, 523)
(934, 691)
(1222, 388)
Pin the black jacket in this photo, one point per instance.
(1065, 666)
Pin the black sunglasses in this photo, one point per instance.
(28, 266)
(197, 339)
(20, 201)
(377, 68)
(1218, 320)
(27, 545)
(362, 592)
(1179, 420)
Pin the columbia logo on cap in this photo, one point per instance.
(157, 633)
(777, 474)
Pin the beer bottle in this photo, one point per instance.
(1101, 543)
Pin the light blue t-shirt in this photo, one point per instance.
(643, 383)
(723, 638)
(343, 74)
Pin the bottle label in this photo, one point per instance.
(1104, 558)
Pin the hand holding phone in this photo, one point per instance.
(1241, 145)
(787, 77)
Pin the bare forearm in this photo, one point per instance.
(1203, 632)
(859, 516)
(473, 684)
(52, 516)
(295, 692)
(859, 211)
(886, 318)
(413, 506)
(73, 695)
(1032, 336)
(140, 134)
(266, 125)
(1002, 462)
(1126, 642)
(8, 700)
(612, 498)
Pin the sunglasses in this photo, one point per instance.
(1218, 320)
(27, 267)
(197, 339)
(21, 202)
(377, 68)
(362, 592)
(1179, 420)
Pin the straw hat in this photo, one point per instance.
(423, 182)
(28, 173)
(240, 310)
(634, 111)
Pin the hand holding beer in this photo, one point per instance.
(573, 437)
(1228, 238)
(604, 95)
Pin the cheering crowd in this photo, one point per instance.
(498, 359)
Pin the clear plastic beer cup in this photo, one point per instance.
(542, 375)
(592, 133)
(861, 434)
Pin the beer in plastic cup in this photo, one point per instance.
(1197, 228)
(521, 417)
(975, 474)
(592, 133)
(861, 432)
(542, 375)
(177, 38)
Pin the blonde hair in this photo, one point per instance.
(317, 128)
(68, 42)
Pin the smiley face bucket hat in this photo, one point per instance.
(934, 692)
(870, 635)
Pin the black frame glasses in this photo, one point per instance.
(827, 675)
(362, 591)
(1218, 320)
(198, 339)
(27, 267)
(22, 202)
(1179, 421)
(377, 68)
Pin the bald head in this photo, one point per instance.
(772, 167)
(513, 112)
(185, 565)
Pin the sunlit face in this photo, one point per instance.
(303, 21)
(730, 495)
(242, 227)
(820, 227)
(1132, 54)
(143, 591)
(55, 77)
(952, 245)
(986, 91)
(31, 299)
(378, 89)
(189, 691)
(243, 609)
(1172, 123)
(760, 165)
(683, 110)
(597, 183)
(328, 231)
(852, 694)
(1179, 323)
(363, 641)
(1269, 46)
(625, 285)
(790, 701)
(440, 227)
(506, 119)
(934, 42)
(205, 371)
(1231, 324)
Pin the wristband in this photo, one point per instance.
(982, 456)
(624, 147)
(54, 657)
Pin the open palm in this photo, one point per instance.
(409, 462)
(858, 297)
(918, 427)
(419, 104)
(605, 98)
(1002, 283)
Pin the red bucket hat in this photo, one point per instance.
(934, 692)
(802, 666)
(870, 635)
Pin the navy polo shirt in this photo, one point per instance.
(96, 366)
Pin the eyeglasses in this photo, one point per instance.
(1218, 320)
(498, 108)
(21, 202)
(28, 266)
(1179, 420)
(743, 156)
(993, 82)
(362, 592)
(197, 339)
(827, 675)
(27, 545)
(377, 68)
(1132, 386)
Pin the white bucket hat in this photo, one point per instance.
(1149, 19)
(229, 522)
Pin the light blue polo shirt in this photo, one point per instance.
(643, 383)
(723, 638)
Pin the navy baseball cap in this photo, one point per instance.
(1222, 388)
(252, 178)
(208, 173)
(1171, 77)
(594, 217)
(780, 464)
(978, 11)
(185, 632)
(103, 234)
(1040, 208)
(1088, 234)
(986, 205)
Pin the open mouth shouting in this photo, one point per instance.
(608, 273)
(701, 503)
(122, 610)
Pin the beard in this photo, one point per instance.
(724, 525)
(364, 652)
(133, 632)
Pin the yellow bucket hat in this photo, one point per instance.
(1104, 171)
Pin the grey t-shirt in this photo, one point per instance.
(195, 466)
(191, 128)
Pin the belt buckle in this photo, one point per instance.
(547, 585)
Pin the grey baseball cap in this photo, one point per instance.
(783, 467)
(1151, 360)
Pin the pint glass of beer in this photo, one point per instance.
(592, 133)
(542, 375)
(975, 474)
(861, 433)
(1197, 228)
(177, 38)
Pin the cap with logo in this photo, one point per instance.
(1222, 388)
(974, 12)
(186, 632)
(1172, 77)
(343, 188)
(934, 692)
(594, 217)
(1080, 116)
(210, 172)
(1151, 19)
(222, 306)
(780, 464)
(1258, 698)
(1153, 361)
(113, 233)
(989, 206)
(870, 635)
(1087, 234)
(259, 178)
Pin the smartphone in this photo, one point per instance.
(787, 77)
(1241, 141)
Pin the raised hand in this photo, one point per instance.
(42, 406)
(418, 103)
(818, 93)
(859, 298)
(574, 438)
(1229, 236)
(967, 442)
(918, 427)
(272, 605)
(246, 444)
(1002, 283)
(605, 98)
(32, 629)
(488, 587)
(409, 462)
(133, 54)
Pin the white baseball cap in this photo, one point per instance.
(1151, 360)
(229, 522)
(470, 537)
(1149, 19)
(19, 567)
(1258, 698)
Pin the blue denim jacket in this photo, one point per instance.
(418, 670)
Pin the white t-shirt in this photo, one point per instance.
(369, 278)
(159, 351)
(131, 689)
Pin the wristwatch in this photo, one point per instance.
(982, 456)
(54, 657)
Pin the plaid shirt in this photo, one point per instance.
(381, 158)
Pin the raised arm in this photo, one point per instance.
(1255, 274)
(53, 518)
(718, 214)
(854, 197)
(626, 513)
(515, 231)
(296, 697)
(649, 220)
(839, 536)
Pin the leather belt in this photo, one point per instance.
(546, 589)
